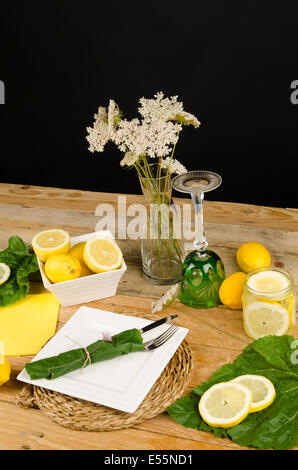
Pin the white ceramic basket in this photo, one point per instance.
(88, 288)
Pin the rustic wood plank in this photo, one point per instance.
(218, 212)
(29, 429)
(223, 239)
(231, 235)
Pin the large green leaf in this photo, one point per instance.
(22, 264)
(275, 426)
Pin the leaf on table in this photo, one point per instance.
(184, 411)
(275, 426)
(22, 264)
(14, 254)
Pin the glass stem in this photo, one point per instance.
(200, 241)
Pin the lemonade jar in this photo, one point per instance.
(269, 303)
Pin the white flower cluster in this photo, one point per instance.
(104, 127)
(99, 134)
(113, 115)
(153, 136)
(167, 109)
(175, 166)
(129, 159)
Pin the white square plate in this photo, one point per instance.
(121, 383)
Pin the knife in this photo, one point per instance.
(157, 323)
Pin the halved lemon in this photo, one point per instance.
(50, 242)
(225, 404)
(262, 390)
(262, 319)
(102, 254)
(4, 273)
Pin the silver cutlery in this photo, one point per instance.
(161, 339)
(157, 323)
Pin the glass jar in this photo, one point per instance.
(269, 302)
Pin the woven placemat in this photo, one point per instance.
(83, 415)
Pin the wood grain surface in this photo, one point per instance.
(216, 335)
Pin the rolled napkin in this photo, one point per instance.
(55, 366)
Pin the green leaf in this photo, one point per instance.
(184, 411)
(274, 427)
(22, 264)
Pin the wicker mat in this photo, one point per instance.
(83, 415)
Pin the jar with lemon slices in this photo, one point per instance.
(269, 303)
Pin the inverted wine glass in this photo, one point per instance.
(202, 270)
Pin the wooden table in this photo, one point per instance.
(216, 335)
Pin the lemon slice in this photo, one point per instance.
(4, 273)
(50, 242)
(225, 404)
(102, 254)
(268, 281)
(262, 390)
(262, 319)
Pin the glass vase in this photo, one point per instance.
(162, 251)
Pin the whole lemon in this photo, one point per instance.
(77, 251)
(60, 268)
(230, 291)
(252, 255)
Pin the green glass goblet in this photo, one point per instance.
(202, 270)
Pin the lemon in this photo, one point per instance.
(4, 273)
(77, 251)
(102, 254)
(60, 268)
(225, 404)
(262, 390)
(262, 319)
(4, 372)
(252, 255)
(230, 291)
(50, 242)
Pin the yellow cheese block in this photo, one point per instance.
(28, 324)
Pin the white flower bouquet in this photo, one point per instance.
(148, 144)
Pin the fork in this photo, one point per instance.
(161, 339)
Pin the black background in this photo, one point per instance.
(230, 62)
